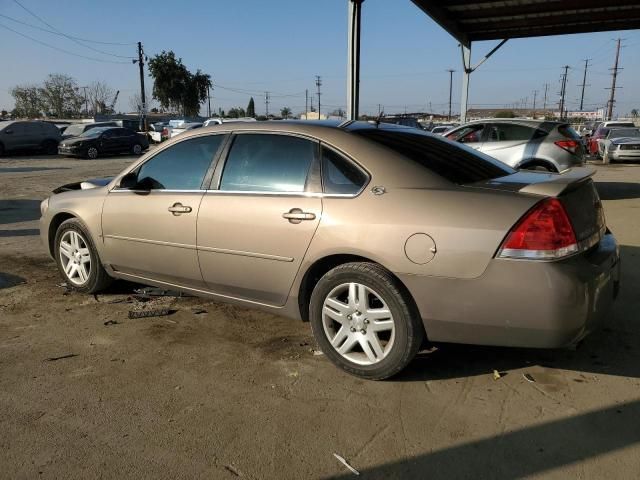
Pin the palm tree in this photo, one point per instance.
(285, 112)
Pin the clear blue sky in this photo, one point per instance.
(280, 45)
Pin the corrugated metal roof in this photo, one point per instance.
(474, 20)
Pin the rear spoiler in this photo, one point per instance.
(555, 184)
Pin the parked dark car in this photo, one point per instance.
(79, 128)
(104, 141)
(29, 135)
(404, 121)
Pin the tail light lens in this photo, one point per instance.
(165, 132)
(544, 233)
(571, 146)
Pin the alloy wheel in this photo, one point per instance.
(358, 323)
(75, 257)
(92, 153)
(137, 149)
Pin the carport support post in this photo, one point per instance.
(466, 73)
(353, 73)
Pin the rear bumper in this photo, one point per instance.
(522, 303)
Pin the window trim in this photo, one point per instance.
(313, 174)
(207, 176)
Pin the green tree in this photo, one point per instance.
(28, 102)
(634, 113)
(505, 114)
(285, 112)
(60, 96)
(4, 113)
(175, 87)
(236, 112)
(251, 108)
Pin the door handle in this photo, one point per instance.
(296, 215)
(179, 209)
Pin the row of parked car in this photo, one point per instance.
(613, 141)
(88, 140)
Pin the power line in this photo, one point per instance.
(62, 49)
(68, 36)
(26, 24)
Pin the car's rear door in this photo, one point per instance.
(257, 220)
(150, 231)
(511, 143)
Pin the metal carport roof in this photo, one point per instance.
(477, 20)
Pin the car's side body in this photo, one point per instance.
(77, 129)
(522, 143)
(106, 141)
(18, 135)
(437, 238)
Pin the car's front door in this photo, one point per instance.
(13, 136)
(256, 223)
(150, 230)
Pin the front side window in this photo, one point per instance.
(339, 175)
(470, 134)
(268, 163)
(182, 166)
(509, 132)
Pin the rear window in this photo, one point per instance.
(454, 162)
(568, 132)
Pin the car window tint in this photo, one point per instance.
(455, 162)
(269, 163)
(510, 132)
(181, 166)
(339, 175)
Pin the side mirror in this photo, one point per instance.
(8, 131)
(129, 181)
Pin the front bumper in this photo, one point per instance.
(70, 150)
(521, 303)
(621, 155)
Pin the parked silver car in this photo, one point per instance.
(620, 144)
(17, 135)
(524, 144)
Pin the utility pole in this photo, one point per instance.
(535, 95)
(208, 102)
(143, 99)
(544, 105)
(379, 110)
(306, 104)
(267, 98)
(563, 91)
(450, 90)
(615, 69)
(584, 82)
(318, 84)
(86, 104)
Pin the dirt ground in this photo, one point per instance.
(214, 391)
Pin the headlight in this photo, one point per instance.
(44, 205)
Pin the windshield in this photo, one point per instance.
(94, 132)
(74, 130)
(455, 162)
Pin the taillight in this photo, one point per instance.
(544, 233)
(570, 146)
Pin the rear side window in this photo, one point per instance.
(182, 166)
(568, 132)
(268, 163)
(510, 132)
(339, 175)
(454, 162)
(470, 134)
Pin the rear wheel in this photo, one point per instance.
(77, 258)
(92, 153)
(364, 321)
(136, 149)
(539, 166)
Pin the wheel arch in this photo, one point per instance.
(532, 162)
(55, 223)
(322, 265)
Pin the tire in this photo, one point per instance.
(82, 252)
(92, 153)
(538, 166)
(1, 150)
(136, 149)
(400, 332)
(50, 147)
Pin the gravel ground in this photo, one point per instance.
(215, 391)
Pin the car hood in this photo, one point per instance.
(626, 141)
(85, 185)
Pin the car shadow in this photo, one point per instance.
(8, 280)
(14, 211)
(612, 350)
(525, 452)
(618, 190)
(26, 232)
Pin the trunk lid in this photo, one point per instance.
(574, 188)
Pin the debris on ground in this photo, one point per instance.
(158, 312)
(316, 352)
(198, 310)
(529, 378)
(61, 357)
(67, 290)
(496, 375)
(111, 322)
(233, 470)
(159, 292)
(346, 464)
(145, 307)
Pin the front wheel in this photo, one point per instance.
(92, 153)
(136, 149)
(364, 321)
(78, 260)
